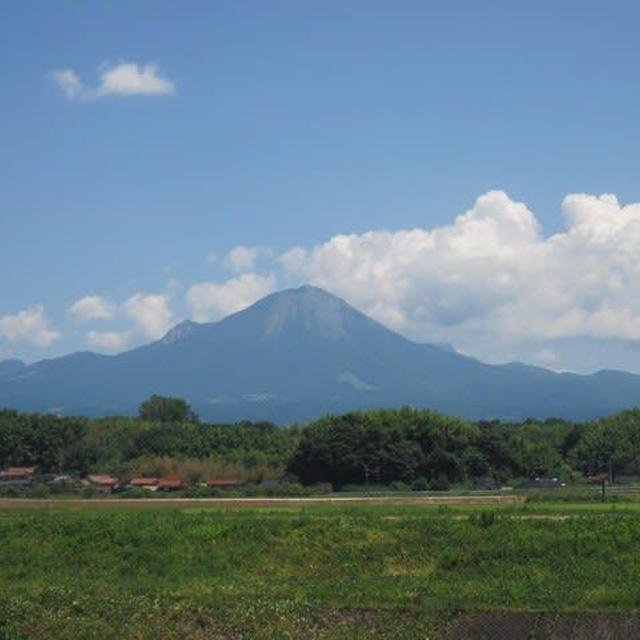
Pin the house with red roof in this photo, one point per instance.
(102, 482)
(148, 483)
(171, 483)
(18, 475)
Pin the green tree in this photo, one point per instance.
(166, 409)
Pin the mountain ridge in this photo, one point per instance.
(300, 353)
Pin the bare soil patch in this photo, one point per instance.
(512, 625)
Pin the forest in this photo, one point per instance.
(414, 448)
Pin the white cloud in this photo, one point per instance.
(91, 308)
(122, 79)
(151, 313)
(131, 79)
(211, 301)
(69, 83)
(107, 340)
(490, 281)
(29, 325)
(242, 259)
(293, 260)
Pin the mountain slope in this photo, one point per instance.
(300, 353)
(11, 367)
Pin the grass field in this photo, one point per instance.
(329, 570)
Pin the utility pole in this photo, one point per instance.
(365, 467)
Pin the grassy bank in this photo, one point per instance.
(306, 572)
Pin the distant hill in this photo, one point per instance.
(11, 367)
(300, 353)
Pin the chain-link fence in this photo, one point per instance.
(516, 625)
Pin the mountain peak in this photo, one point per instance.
(180, 331)
(309, 308)
(306, 291)
(298, 354)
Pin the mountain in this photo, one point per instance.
(11, 368)
(298, 354)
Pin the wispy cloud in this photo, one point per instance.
(122, 79)
(69, 83)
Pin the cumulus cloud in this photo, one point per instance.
(211, 300)
(150, 312)
(490, 280)
(122, 79)
(29, 325)
(91, 308)
(131, 79)
(107, 340)
(242, 259)
(490, 283)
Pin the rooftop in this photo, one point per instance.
(102, 479)
(144, 482)
(12, 472)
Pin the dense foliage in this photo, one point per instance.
(128, 446)
(166, 409)
(313, 573)
(416, 447)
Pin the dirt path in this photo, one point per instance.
(391, 501)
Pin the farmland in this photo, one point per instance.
(319, 570)
(378, 524)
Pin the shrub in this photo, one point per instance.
(487, 518)
(398, 485)
(135, 492)
(440, 483)
(39, 491)
(12, 491)
(420, 484)
(197, 492)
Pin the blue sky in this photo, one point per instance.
(190, 129)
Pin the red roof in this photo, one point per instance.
(171, 482)
(103, 480)
(13, 472)
(144, 482)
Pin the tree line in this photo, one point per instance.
(377, 447)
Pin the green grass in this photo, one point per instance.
(317, 572)
(586, 508)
